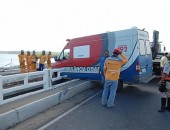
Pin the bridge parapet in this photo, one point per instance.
(47, 79)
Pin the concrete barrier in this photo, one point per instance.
(8, 119)
(17, 115)
(69, 92)
(34, 108)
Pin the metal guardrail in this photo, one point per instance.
(47, 75)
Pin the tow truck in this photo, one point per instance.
(156, 53)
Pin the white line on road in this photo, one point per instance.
(67, 112)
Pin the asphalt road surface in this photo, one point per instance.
(135, 109)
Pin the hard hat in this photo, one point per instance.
(116, 51)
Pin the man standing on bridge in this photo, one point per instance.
(42, 60)
(22, 57)
(163, 61)
(101, 67)
(28, 61)
(49, 60)
(34, 59)
(112, 68)
(165, 99)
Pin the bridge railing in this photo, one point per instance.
(46, 75)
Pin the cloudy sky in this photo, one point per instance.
(46, 24)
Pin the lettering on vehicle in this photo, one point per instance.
(81, 69)
(123, 48)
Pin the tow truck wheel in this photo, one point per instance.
(120, 85)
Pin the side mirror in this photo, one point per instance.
(64, 58)
(164, 48)
(55, 58)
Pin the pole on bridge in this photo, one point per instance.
(26, 80)
(1, 89)
(46, 78)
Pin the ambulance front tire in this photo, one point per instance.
(120, 85)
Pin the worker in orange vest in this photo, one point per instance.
(42, 60)
(34, 59)
(21, 57)
(112, 68)
(28, 61)
(49, 60)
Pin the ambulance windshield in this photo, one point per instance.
(65, 54)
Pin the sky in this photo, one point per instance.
(46, 24)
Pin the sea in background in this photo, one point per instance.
(9, 60)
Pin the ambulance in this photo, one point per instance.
(81, 56)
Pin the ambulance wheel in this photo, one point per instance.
(120, 85)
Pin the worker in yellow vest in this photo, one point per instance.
(112, 68)
(49, 60)
(34, 59)
(21, 57)
(28, 61)
(42, 60)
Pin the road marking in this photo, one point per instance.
(67, 112)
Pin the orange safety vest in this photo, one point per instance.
(112, 67)
(42, 58)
